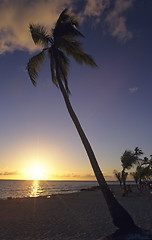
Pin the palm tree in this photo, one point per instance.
(61, 43)
(118, 175)
(127, 159)
(135, 176)
(138, 153)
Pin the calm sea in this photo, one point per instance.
(29, 188)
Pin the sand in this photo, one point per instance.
(74, 216)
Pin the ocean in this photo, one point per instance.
(33, 188)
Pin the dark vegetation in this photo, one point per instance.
(142, 174)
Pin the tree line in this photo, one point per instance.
(143, 169)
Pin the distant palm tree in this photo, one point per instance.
(62, 42)
(128, 159)
(138, 153)
(135, 175)
(118, 175)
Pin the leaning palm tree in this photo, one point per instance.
(59, 44)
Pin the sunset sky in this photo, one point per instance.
(112, 102)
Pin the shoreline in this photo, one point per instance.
(83, 215)
(64, 193)
(69, 192)
(25, 188)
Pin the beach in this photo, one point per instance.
(82, 215)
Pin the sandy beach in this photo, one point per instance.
(74, 216)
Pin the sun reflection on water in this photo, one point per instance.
(35, 190)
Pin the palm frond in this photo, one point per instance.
(63, 68)
(63, 77)
(39, 34)
(66, 29)
(53, 67)
(74, 49)
(66, 17)
(64, 61)
(34, 65)
(69, 46)
(83, 57)
(74, 21)
(66, 25)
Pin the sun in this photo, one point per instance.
(36, 172)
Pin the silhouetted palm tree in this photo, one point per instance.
(61, 43)
(118, 175)
(135, 175)
(128, 159)
(138, 153)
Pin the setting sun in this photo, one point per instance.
(36, 172)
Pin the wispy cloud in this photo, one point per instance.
(9, 173)
(113, 16)
(116, 21)
(74, 176)
(16, 15)
(133, 90)
(95, 8)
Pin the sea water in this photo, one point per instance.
(31, 188)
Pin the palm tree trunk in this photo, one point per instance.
(124, 180)
(120, 216)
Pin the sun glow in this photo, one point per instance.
(36, 172)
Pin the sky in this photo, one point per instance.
(112, 102)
